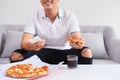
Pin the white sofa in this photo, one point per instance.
(101, 39)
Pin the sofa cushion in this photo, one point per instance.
(96, 43)
(13, 39)
(93, 40)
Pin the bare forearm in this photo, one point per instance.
(25, 43)
(26, 46)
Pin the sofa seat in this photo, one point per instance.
(103, 61)
(4, 60)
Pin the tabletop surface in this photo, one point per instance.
(85, 72)
(82, 72)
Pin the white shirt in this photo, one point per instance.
(55, 33)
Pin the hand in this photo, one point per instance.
(38, 45)
(77, 45)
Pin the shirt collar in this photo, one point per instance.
(60, 13)
(42, 13)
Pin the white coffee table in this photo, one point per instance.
(86, 72)
(83, 72)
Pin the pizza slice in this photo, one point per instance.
(26, 70)
(71, 40)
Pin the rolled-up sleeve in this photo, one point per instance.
(74, 25)
(30, 27)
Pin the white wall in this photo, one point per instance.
(89, 12)
(17, 11)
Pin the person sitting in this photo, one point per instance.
(53, 25)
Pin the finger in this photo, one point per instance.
(43, 41)
(74, 45)
(37, 49)
(40, 43)
(80, 45)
